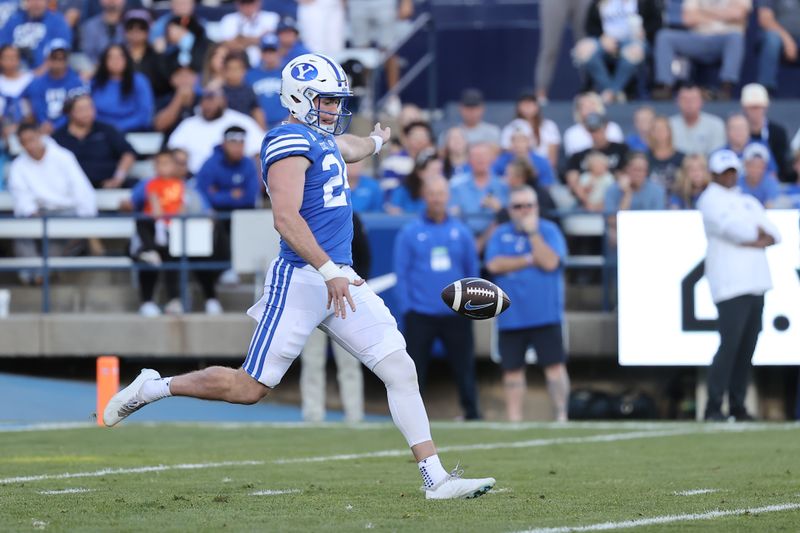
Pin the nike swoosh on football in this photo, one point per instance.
(469, 307)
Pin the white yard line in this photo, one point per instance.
(694, 492)
(54, 426)
(121, 471)
(667, 519)
(65, 491)
(274, 492)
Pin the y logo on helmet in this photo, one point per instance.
(304, 72)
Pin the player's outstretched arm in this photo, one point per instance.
(355, 148)
(286, 181)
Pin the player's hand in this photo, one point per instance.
(339, 295)
(383, 133)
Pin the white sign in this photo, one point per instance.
(666, 315)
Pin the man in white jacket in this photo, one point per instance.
(46, 179)
(737, 270)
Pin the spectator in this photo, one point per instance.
(737, 132)
(737, 271)
(187, 44)
(377, 22)
(315, 356)
(228, 180)
(417, 136)
(693, 130)
(182, 102)
(517, 141)
(238, 93)
(322, 24)
(47, 93)
(183, 9)
(243, 29)
(102, 30)
(144, 58)
(643, 119)
(633, 190)
(546, 137)
(594, 182)
(31, 29)
(715, 32)
(780, 22)
(407, 198)
(196, 134)
(553, 20)
(214, 65)
(430, 253)
(266, 82)
(526, 257)
(616, 32)
(455, 153)
(365, 193)
(289, 39)
(577, 137)
(692, 179)
(122, 96)
(664, 160)
(790, 193)
(7, 8)
(12, 83)
(475, 129)
(616, 152)
(757, 180)
(755, 104)
(45, 179)
(479, 194)
(102, 151)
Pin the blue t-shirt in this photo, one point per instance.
(31, 36)
(636, 143)
(126, 113)
(650, 197)
(47, 96)
(767, 190)
(401, 197)
(326, 207)
(267, 86)
(467, 197)
(367, 197)
(537, 296)
(541, 164)
(428, 257)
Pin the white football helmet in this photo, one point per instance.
(309, 76)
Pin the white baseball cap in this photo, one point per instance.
(754, 94)
(723, 160)
(755, 149)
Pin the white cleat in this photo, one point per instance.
(128, 401)
(453, 487)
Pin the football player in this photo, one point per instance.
(311, 284)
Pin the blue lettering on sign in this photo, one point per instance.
(304, 72)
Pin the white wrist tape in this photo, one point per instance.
(378, 143)
(329, 271)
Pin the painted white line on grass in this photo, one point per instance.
(274, 492)
(57, 426)
(694, 492)
(65, 491)
(120, 471)
(668, 519)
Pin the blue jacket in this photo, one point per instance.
(126, 113)
(218, 177)
(428, 257)
(31, 36)
(47, 96)
(367, 197)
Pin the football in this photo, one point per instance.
(475, 298)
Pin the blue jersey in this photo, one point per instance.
(327, 207)
(537, 296)
(267, 86)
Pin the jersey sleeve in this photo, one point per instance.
(285, 143)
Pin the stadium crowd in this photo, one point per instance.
(86, 74)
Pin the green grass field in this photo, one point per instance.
(351, 479)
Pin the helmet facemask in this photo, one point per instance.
(314, 116)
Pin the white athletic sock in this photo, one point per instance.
(155, 389)
(432, 471)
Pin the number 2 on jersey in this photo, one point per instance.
(334, 189)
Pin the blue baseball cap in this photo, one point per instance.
(56, 44)
(269, 42)
(287, 23)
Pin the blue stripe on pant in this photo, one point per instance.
(263, 353)
(277, 288)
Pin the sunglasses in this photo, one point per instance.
(523, 206)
